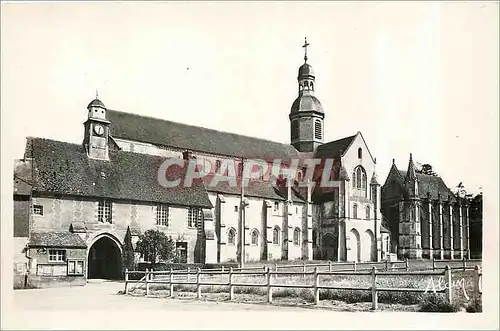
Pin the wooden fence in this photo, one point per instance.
(171, 278)
(459, 264)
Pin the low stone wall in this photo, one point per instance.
(55, 281)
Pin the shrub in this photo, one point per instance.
(476, 306)
(437, 303)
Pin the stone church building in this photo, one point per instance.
(73, 203)
(426, 219)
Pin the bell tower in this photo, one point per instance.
(306, 115)
(96, 131)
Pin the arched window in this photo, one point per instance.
(296, 236)
(367, 212)
(231, 236)
(312, 86)
(299, 175)
(317, 129)
(217, 165)
(276, 235)
(355, 211)
(255, 237)
(315, 237)
(359, 180)
(360, 153)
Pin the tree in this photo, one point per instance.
(427, 170)
(154, 246)
(128, 251)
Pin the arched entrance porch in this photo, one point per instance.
(105, 259)
(354, 253)
(369, 250)
(328, 247)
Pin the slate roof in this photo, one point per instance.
(65, 168)
(431, 184)
(194, 138)
(306, 102)
(254, 188)
(335, 148)
(56, 239)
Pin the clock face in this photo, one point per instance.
(99, 129)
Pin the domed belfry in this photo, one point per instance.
(306, 115)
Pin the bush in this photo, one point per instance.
(438, 304)
(476, 306)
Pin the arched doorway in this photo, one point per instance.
(105, 260)
(355, 244)
(368, 246)
(328, 247)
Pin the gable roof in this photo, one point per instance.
(167, 133)
(56, 239)
(431, 184)
(335, 148)
(65, 168)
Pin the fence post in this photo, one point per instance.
(354, 265)
(126, 280)
(316, 286)
(386, 265)
(171, 279)
(269, 288)
(475, 293)
(374, 290)
(231, 289)
(329, 266)
(433, 264)
(464, 263)
(448, 291)
(276, 269)
(304, 270)
(146, 278)
(188, 271)
(222, 268)
(198, 286)
(407, 266)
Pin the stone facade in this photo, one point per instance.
(95, 191)
(426, 219)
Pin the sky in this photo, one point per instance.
(414, 77)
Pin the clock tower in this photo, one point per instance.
(96, 131)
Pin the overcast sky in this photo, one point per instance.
(416, 77)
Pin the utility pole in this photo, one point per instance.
(242, 217)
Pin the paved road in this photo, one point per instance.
(101, 295)
(98, 302)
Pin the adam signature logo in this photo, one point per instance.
(440, 284)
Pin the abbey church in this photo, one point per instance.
(74, 203)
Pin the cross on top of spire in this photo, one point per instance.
(305, 49)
